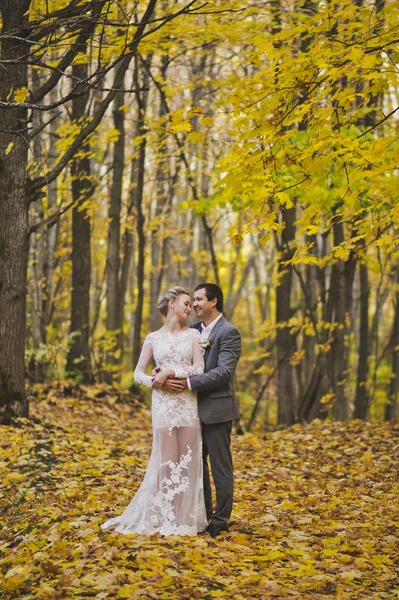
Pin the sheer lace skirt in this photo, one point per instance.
(171, 499)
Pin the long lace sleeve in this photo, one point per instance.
(197, 366)
(142, 365)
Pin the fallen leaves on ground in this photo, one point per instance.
(316, 511)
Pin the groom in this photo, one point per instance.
(216, 400)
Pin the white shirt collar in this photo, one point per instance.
(211, 325)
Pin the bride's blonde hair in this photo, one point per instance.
(171, 294)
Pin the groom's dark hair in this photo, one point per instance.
(212, 291)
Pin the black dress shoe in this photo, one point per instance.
(214, 530)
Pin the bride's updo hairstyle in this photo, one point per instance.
(172, 294)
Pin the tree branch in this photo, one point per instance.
(38, 183)
(379, 123)
(67, 59)
(51, 220)
(96, 77)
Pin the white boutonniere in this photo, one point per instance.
(205, 344)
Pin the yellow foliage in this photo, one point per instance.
(327, 399)
(179, 123)
(20, 94)
(196, 137)
(208, 121)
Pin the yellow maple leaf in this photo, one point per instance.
(207, 121)
(20, 94)
(179, 123)
(196, 137)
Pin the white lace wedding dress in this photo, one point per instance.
(171, 499)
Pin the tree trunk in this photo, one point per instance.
(37, 368)
(78, 360)
(263, 275)
(127, 244)
(362, 395)
(234, 298)
(331, 368)
(113, 322)
(51, 233)
(285, 348)
(338, 356)
(310, 406)
(392, 404)
(309, 341)
(137, 194)
(14, 230)
(161, 201)
(43, 243)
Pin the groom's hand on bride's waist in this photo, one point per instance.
(174, 384)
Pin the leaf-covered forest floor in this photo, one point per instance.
(316, 510)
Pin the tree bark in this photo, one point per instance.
(309, 341)
(14, 230)
(140, 276)
(163, 198)
(43, 243)
(331, 369)
(310, 406)
(392, 405)
(234, 298)
(338, 355)
(137, 195)
(285, 385)
(362, 395)
(78, 360)
(38, 284)
(114, 309)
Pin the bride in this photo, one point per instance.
(171, 499)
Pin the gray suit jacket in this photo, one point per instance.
(216, 399)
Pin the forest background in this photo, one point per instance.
(254, 144)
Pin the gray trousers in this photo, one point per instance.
(216, 446)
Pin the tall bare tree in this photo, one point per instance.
(114, 321)
(78, 360)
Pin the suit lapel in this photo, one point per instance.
(214, 332)
(216, 328)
